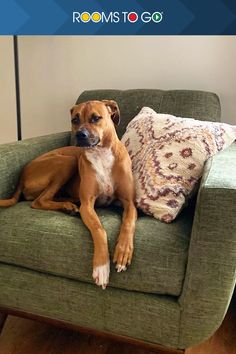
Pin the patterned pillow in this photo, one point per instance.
(168, 155)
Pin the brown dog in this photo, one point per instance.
(97, 170)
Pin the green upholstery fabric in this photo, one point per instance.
(148, 317)
(42, 242)
(56, 243)
(184, 103)
(211, 271)
(14, 156)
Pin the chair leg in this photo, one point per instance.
(3, 318)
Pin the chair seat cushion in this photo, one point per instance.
(59, 244)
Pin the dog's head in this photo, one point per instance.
(93, 122)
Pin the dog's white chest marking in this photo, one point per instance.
(102, 160)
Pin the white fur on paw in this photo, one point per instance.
(101, 275)
(120, 268)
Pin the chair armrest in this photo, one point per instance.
(211, 269)
(14, 156)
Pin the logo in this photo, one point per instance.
(116, 17)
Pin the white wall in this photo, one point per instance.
(7, 91)
(55, 70)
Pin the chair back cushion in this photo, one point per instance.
(181, 103)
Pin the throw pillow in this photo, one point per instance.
(168, 155)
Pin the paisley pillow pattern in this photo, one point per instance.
(168, 154)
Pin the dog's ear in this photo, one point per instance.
(72, 109)
(114, 111)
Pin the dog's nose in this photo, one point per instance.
(82, 134)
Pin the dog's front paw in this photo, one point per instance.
(101, 275)
(123, 255)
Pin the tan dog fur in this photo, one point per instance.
(71, 167)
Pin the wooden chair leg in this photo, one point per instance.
(3, 318)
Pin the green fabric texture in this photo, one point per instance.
(45, 257)
(14, 156)
(148, 317)
(56, 243)
(211, 270)
(184, 103)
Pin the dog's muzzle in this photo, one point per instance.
(85, 139)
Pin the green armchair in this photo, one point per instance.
(178, 288)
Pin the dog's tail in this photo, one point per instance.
(14, 199)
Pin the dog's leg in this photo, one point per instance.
(45, 202)
(126, 194)
(101, 263)
(124, 247)
(58, 179)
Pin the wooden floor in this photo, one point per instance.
(20, 336)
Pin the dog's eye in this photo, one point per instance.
(95, 119)
(75, 120)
